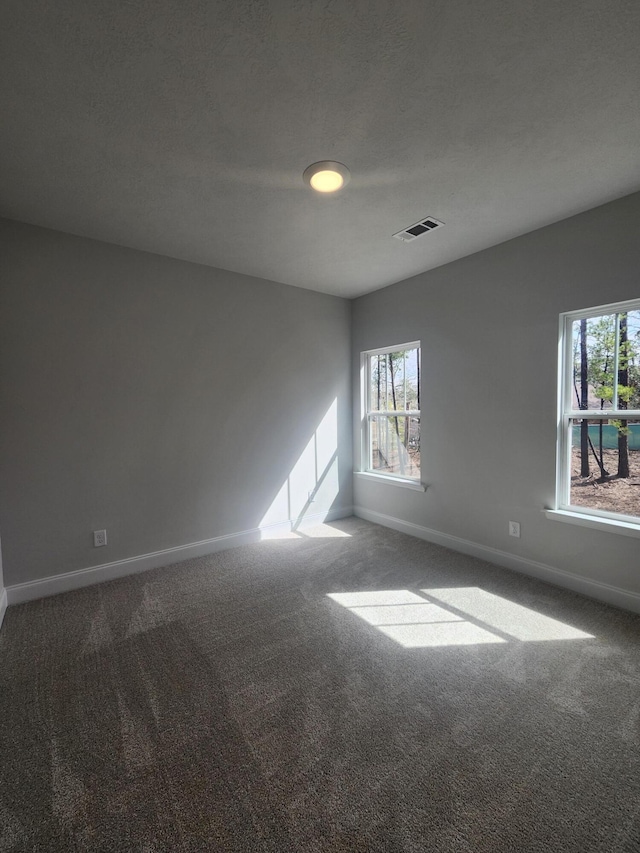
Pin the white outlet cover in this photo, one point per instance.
(99, 538)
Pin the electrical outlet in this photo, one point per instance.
(99, 538)
(514, 529)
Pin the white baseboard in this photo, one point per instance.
(3, 605)
(43, 587)
(593, 589)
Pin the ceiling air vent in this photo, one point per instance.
(420, 228)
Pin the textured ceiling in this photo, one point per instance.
(183, 126)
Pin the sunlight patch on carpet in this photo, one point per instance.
(462, 616)
(323, 531)
(507, 616)
(317, 531)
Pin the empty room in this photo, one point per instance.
(319, 426)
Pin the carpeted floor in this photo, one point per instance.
(243, 702)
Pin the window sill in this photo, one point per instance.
(626, 528)
(392, 481)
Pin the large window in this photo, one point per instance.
(392, 411)
(599, 423)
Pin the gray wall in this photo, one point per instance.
(164, 401)
(489, 331)
(1, 578)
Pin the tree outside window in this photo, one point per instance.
(392, 416)
(599, 461)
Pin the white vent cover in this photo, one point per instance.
(424, 226)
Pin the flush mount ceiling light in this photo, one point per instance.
(327, 176)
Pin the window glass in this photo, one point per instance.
(392, 417)
(599, 449)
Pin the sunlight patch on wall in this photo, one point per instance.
(312, 485)
(461, 617)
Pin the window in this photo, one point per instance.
(391, 392)
(599, 422)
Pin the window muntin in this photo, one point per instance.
(599, 422)
(392, 411)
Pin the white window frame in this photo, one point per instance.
(567, 411)
(366, 471)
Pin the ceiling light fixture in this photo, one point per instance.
(327, 176)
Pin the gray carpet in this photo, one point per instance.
(229, 703)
